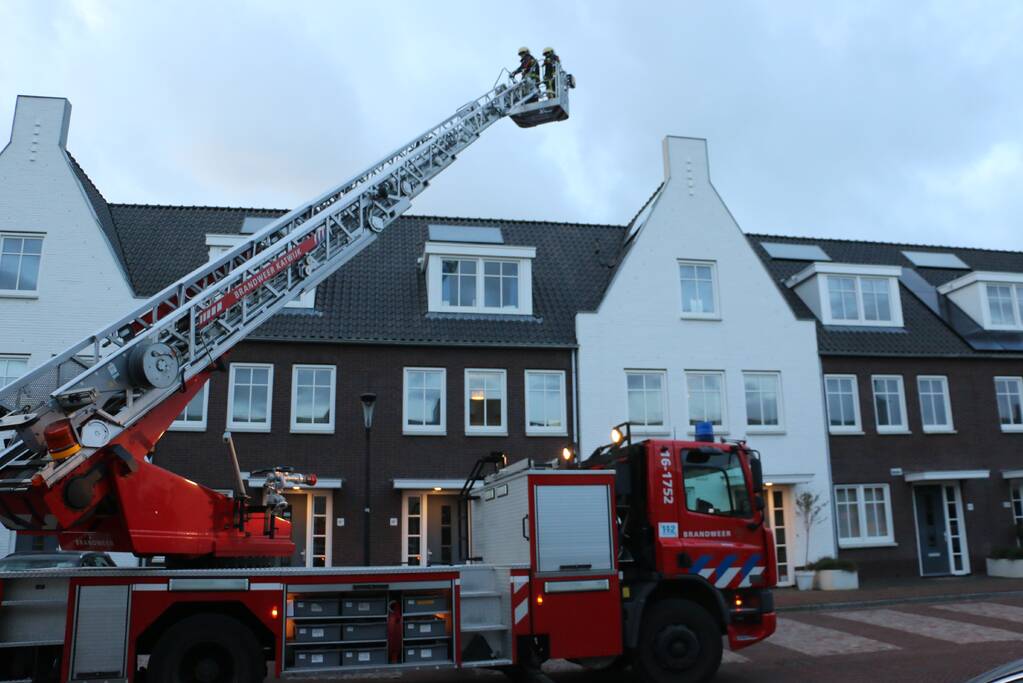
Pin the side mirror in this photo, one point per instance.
(757, 470)
(758, 501)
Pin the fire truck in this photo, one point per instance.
(646, 553)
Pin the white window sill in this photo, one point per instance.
(248, 428)
(717, 431)
(311, 430)
(478, 433)
(187, 427)
(650, 431)
(479, 310)
(842, 432)
(536, 433)
(764, 430)
(853, 545)
(939, 430)
(893, 432)
(862, 323)
(1012, 429)
(16, 294)
(424, 432)
(711, 317)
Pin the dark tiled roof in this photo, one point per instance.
(100, 206)
(925, 331)
(380, 296)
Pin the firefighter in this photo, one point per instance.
(551, 62)
(528, 68)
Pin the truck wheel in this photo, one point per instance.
(207, 648)
(680, 642)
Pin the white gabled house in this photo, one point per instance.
(692, 328)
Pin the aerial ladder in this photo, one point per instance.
(87, 419)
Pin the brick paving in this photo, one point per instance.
(898, 590)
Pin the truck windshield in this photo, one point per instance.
(715, 483)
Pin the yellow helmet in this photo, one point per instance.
(548, 50)
(523, 50)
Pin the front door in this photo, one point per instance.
(931, 530)
(296, 512)
(778, 523)
(310, 515)
(442, 530)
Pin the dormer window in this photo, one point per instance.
(479, 278)
(993, 300)
(851, 294)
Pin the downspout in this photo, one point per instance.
(575, 404)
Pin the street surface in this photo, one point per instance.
(934, 642)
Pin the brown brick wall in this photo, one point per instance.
(379, 369)
(978, 444)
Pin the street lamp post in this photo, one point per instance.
(368, 402)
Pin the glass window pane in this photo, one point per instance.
(492, 292)
(9, 271)
(510, 292)
(491, 267)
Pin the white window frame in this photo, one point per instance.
(765, 429)
(949, 427)
(718, 429)
(546, 431)
(715, 291)
(489, 430)
(249, 426)
(1018, 381)
(643, 428)
(856, 428)
(894, 303)
(863, 541)
(25, 293)
(427, 430)
(903, 427)
(300, 428)
(180, 425)
(1016, 298)
(435, 253)
(15, 356)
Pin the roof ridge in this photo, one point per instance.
(759, 235)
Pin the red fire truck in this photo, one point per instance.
(646, 553)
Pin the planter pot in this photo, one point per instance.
(837, 580)
(804, 579)
(1009, 569)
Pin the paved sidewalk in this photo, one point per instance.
(895, 591)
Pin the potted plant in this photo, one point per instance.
(1006, 562)
(810, 511)
(835, 575)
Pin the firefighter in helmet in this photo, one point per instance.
(528, 68)
(551, 62)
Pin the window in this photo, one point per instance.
(497, 289)
(425, 407)
(193, 417)
(864, 515)
(889, 403)
(11, 368)
(706, 397)
(1009, 392)
(500, 284)
(699, 299)
(545, 402)
(19, 262)
(843, 404)
(715, 484)
(763, 401)
(646, 397)
(1005, 305)
(458, 283)
(935, 406)
(861, 300)
(312, 398)
(1016, 491)
(486, 410)
(248, 405)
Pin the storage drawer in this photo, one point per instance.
(311, 633)
(364, 656)
(316, 607)
(364, 607)
(317, 659)
(371, 631)
(426, 604)
(425, 628)
(437, 652)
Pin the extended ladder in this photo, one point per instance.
(111, 379)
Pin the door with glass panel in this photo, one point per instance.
(777, 520)
(318, 535)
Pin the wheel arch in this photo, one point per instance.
(695, 589)
(182, 610)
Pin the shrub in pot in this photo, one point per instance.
(835, 575)
(810, 511)
(1006, 563)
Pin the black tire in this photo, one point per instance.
(207, 648)
(680, 642)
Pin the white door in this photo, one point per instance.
(778, 522)
(955, 530)
(318, 532)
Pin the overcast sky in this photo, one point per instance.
(873, 120)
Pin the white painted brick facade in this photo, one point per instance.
(639, 325)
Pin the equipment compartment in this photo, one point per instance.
(364, 607)
(425, 653)
(313, 633)
(317, 659)
(316, 607)
(365, 631)
(424, 628)
(365, 656)
(426, 604)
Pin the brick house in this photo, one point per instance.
(922, 358)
